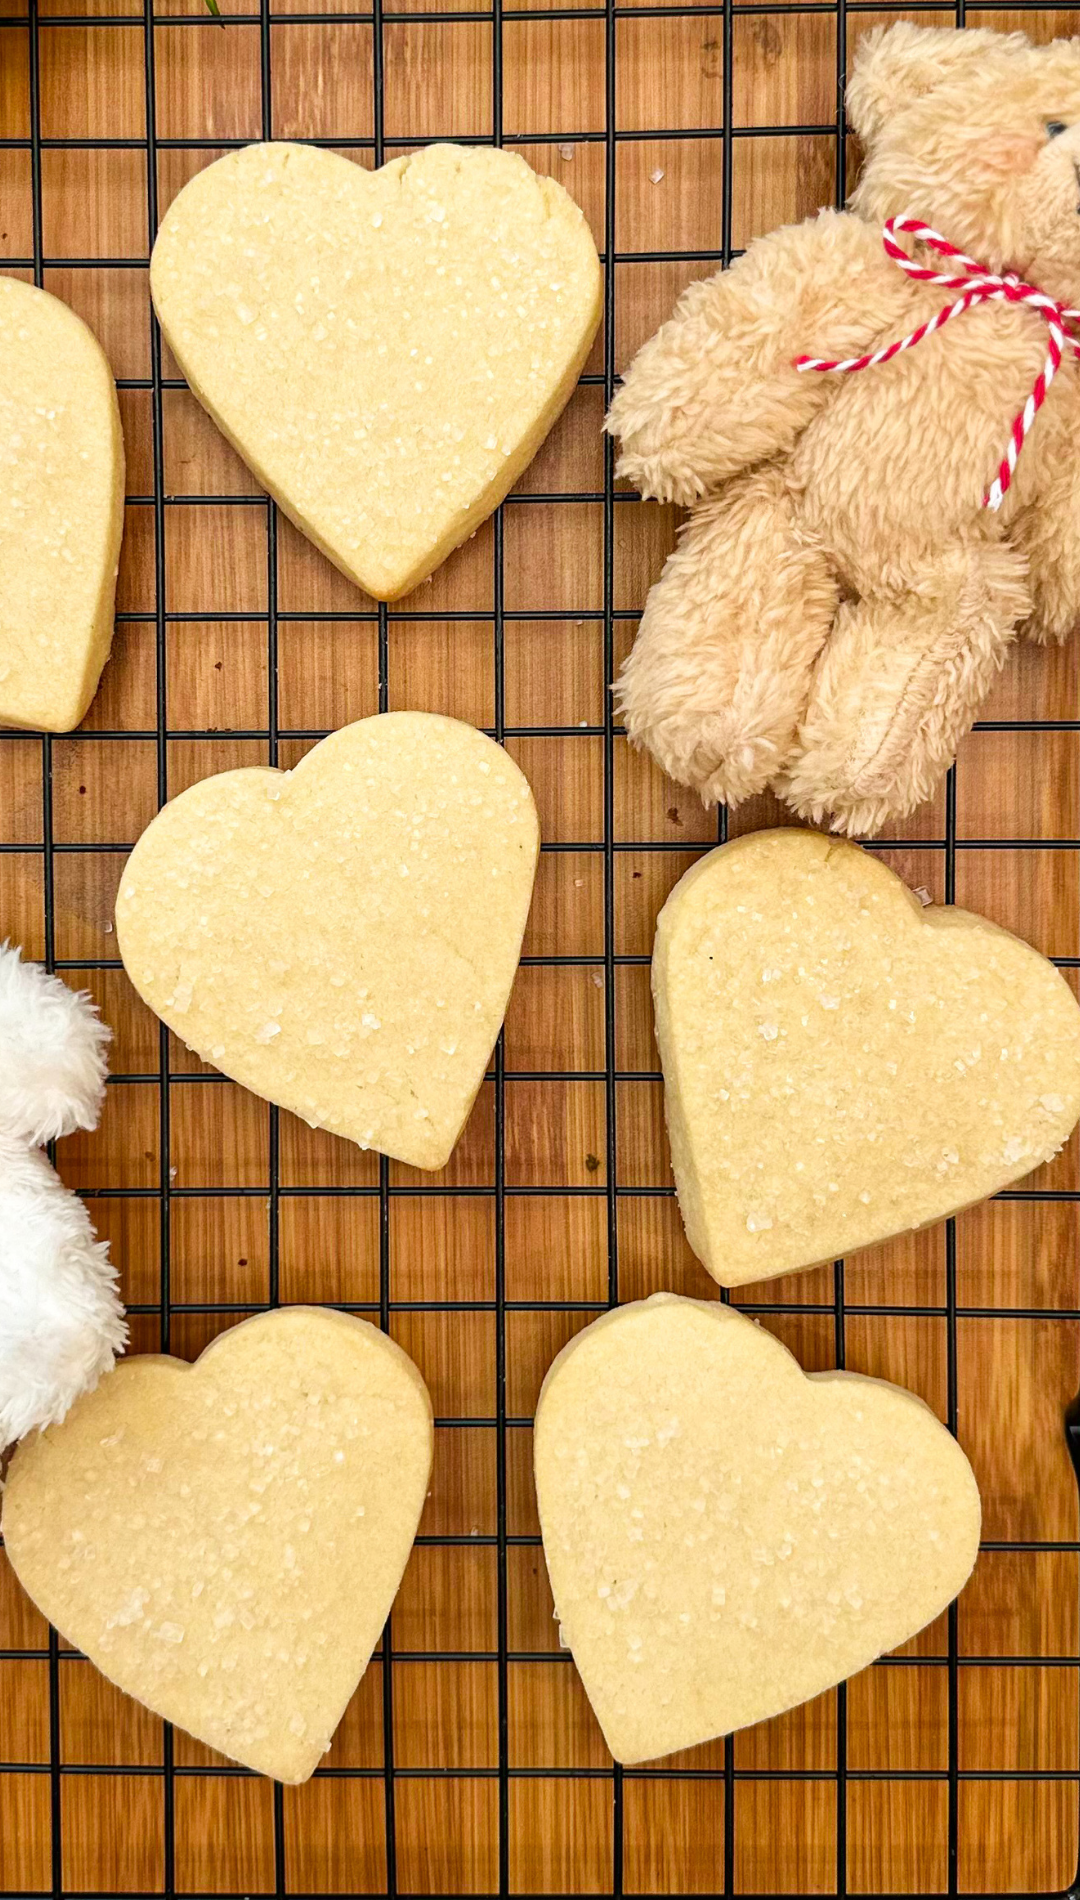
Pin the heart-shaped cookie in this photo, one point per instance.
(225, 1540)
(726, 1536)
(841, 1064)
(61, 510)
(342, 938)
(387, 350)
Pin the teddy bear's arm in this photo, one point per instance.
(715, 390)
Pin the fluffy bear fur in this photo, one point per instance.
(61, 1322)
(840, 601)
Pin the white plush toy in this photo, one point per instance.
(61, 1322)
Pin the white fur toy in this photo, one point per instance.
(61, 1322)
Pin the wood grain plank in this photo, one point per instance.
(556, 1247)
(651, 807)
(1017, 1253)
(897, 1836)
(1017, 1836)
(532, 1341)
(15, 86)
(898, 1719)
(24, 1710)
(219, 1135)
(225, 1834)
(448, 1836)
(463, 1499)
(220, 1250)
(335, 1837)
(90, 202)
(322, 79)
(671, 74)
(437, 78)
(674, 1836)
(328, 673)
(909, 1350)
(801, 1739)
(98, 1723)
(779, 181)
(560, 1836)
(784, 69)
(90, 80)
(567, 777)
(553, 76)
(907, 1271)
(359, 1740)
(567, 914)
(530, 1606)
(17, 234)
(20, 792)
(668, 195)
(25, 1833)
(1021, 1603)
(448, 1599)
(551, 1724)
(446, 1715)
(1016, 1720)
(522, 1517)
(112, 1829)
(1015, 1378)
(127, 697)
(555, 1134)
(131, 1227)
(21, 1626)
(442, 1248)
(654, 1253)
(122, 1151)
(785, 1837)
(556, 1019)
(208, 83)
(456, 1354)
(444, 666)
(104, 790)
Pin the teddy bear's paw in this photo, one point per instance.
(659, 473)
(658, 430)
(898, 686)
(662, 421)
(1053, 618)
(856, 790)
(853, 817)
(711, 753)
(876, 755)
(656, 479)
(719, 675)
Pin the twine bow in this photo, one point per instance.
(977, 285)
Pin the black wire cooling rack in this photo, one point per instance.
(35, 25)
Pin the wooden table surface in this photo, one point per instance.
(473, 1764)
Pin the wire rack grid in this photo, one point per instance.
(718, 1815)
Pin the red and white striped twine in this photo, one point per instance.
(976, 285)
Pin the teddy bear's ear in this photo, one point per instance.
(895, 65)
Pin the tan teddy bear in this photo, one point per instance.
(842, 598)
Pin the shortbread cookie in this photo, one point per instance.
(726, 1536)
(61, 510)
(225, 1540)
(342, 938)
(841, 1064)
(387, 350)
